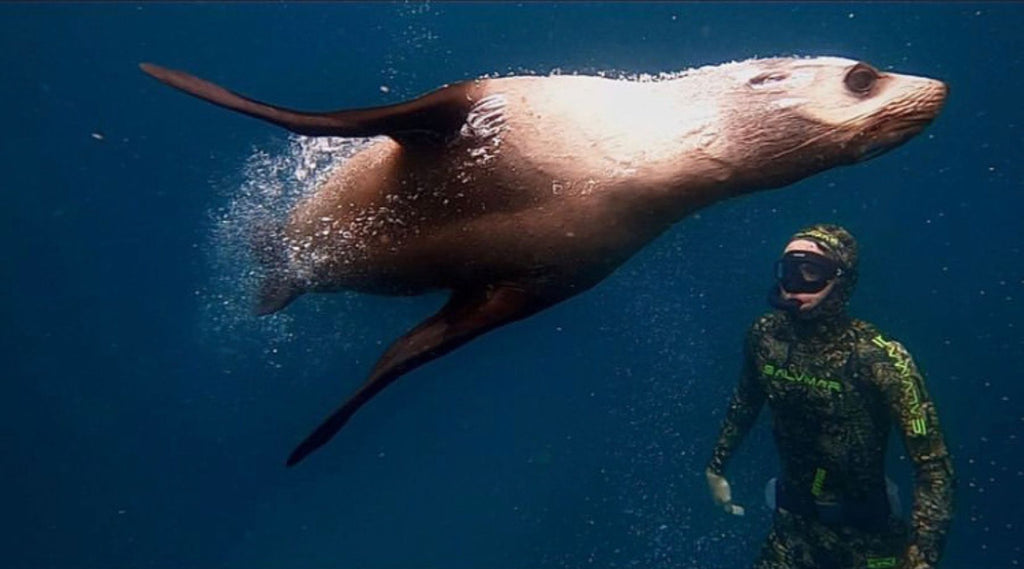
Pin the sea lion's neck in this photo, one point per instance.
(707, 175)
(698, 181)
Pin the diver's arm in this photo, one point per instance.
(746, 403)
(914, 414)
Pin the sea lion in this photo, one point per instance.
(517, 193)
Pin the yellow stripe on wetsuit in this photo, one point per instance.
(918, 423)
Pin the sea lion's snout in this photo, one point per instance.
(914, 106)
(932, 98)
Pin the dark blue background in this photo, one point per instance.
(144, 426)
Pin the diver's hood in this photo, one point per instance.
(840, 246)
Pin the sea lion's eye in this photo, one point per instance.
(861, 79)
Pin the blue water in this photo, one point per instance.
(146, 418)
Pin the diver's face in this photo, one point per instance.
(807, 300)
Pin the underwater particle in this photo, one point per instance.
(97, 136)
(385, 89)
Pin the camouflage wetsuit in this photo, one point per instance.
(835, 386)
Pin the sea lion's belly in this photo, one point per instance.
(392, 251)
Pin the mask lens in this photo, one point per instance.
(811, 272)
(802, 271)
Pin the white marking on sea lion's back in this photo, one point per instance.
(486, 118)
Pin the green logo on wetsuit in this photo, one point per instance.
(901, 362)
(797, 376)
(819, 482)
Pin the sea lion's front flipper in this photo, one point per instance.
(465, 316)
(440, 113)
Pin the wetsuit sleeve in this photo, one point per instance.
(746, 403)
(914, 414)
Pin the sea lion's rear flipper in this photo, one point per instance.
(465, 316)
(277, 287)
(439, 113)
(275, 293)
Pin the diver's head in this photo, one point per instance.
(817, 272)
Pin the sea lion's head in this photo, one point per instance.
(790, 117)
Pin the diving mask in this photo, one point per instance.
(804, 271)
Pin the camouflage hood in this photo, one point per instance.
(839, 245)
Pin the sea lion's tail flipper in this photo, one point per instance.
(278, 287)
(464, 317)
(441, 112)
(275, 293)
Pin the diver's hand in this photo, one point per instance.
(722, 494)
(914, 559)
